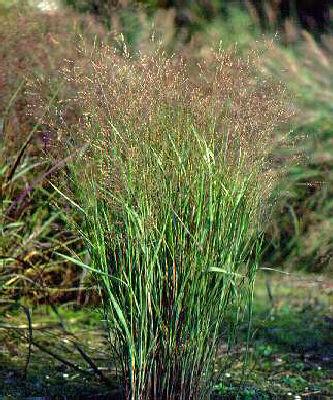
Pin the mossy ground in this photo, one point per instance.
(290, 353)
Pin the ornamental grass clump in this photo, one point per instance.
(173, 170)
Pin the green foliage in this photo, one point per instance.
(170, 195)
(168, 279)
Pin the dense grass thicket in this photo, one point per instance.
(158, 166)
(171, 181)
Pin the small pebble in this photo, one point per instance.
(227, 375)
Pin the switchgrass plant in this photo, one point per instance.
(173, 172)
